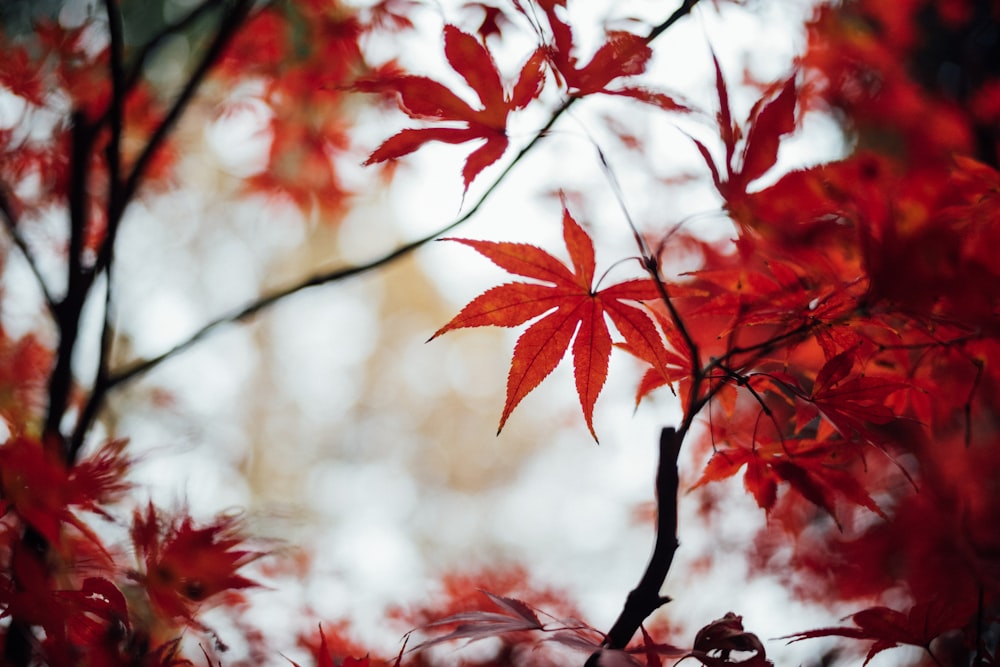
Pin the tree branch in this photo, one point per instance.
(227, 30)
(10, 224)
(251, 309)
(122, 191)
(645, 598)
(70, 307)
(189, 19)
(114, 207)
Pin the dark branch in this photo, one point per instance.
(229, 24)
(10, 219)
(645, 598)
(681, 12)
(248, 311)
(69, 309)
(150, 47)
(121, 191)
(114, 206)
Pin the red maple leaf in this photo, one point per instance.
(185, 564)
(36, 483)
(423, 98)
(623, 54)
(819, 471)
(889, 628)
(768, 121)
(569, 310)
(853, 405)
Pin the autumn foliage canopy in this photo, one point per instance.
(836, 350)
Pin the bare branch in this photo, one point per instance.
(645, 598)
(150, 47)
(10, 224)
(228, 26)
(246, 312)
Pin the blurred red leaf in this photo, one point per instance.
(889, 628)
(184, 565)
(819, 471)
(36, 483)
(515, 616)
(623, 54)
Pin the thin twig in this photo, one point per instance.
(227, 30)
(114, 206)
(649, 260)
(251, 309)
(10, 222)
(138, 64)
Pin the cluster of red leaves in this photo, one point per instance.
(845, 342)
(527, 633)
(915, 80)
(82, 595)
(56, 68)
(302, 55)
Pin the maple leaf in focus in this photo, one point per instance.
(183, 564)
(569, 310)
(423, 98)
(889, 628)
